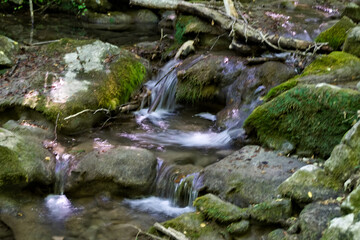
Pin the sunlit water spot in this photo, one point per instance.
(157, 207)
(102, 145)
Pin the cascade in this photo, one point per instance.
(171, 184)
(61, 171)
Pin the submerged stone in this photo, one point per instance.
(311, 117)
(336, 35)
(309, 184)
(215, 208)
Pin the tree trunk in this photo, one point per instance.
(242, 30)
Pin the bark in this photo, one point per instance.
(170, 232)
(240, 28)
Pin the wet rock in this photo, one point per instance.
(309, 184)
(352, 11)
(311, 117)
(315, 217)
(216, 209)
(239, 228)
(275, 211)
(145, 16)
(279, 234)
(336, 35)
(126, 170)
(23, 161)
(250, 175)
(111, 18)
(346, 227)
(8, 49)
(344, 158)
(244, 95)
(202, 78)
(352, 42)
(84, 74)
(195, 226)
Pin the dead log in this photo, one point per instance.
(241, 29)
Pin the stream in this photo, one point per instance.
(183, 138)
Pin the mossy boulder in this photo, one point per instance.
(216, 209)
(23, 161)
(309, 184)
(337, 68)
(352, 11)
(85, 74)
(352, 201)
(274, 211)
(196, 226)
(8, 50)
(238, 228)
(315, 218)
(345, 158)
(248, 176)
(311, 117)
(336, 35)
(124, 170)
(345, 228)
(352, 42)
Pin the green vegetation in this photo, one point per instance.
(336, 35)
(312, 118)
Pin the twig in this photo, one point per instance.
(45, 42)
(87, 110)
(14, 68)
(167, 74)
(55, 130)
(142, 232)
(217, 39)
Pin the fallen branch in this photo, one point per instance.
(87, 110)
(170, 232)
(241, 29)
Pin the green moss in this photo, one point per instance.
(312, 118)
(218, 210)
(238, 228)
(272, 211)
(326, 63)
(194, 226)
(10, 171)
(189, 24)
(336, 35)
(65, 45)
(126, 76)
(283, 87)
(352, 42)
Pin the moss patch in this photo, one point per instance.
(336, 35)
(276, 91)
(218, 210)
(65, 45)
(190, 24)
(272, 211)
(312, 118)
(126, 76)
(10, 171)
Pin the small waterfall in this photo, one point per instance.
(172, 184)
(163, 88)
(61, 171)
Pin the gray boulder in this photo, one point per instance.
(129, 171)
(344, 228)
(250, 175)
(8, 49)
(352, 201)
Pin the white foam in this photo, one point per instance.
(207, 116)
(157, 206)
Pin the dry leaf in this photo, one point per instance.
(47, 158)
(202, 225)
(310, 194)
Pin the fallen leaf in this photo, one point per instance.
(310, 194)
(47, 158)
(202, 225)
(212, 22)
